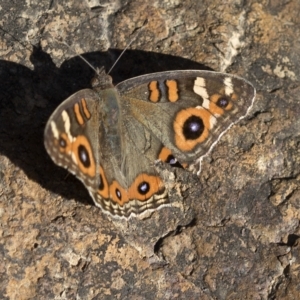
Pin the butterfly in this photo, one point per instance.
(110, 137)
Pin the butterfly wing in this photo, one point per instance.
(188, 111)
(70, 139)
(108, 150)
(111, 137)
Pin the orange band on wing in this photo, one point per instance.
(78, 114)
(154, 91)
(85, 109)
(172, 90)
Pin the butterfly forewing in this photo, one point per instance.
(188, 110)
(69, 139)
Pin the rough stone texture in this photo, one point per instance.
(238, 237)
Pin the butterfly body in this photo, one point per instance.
(110, 137)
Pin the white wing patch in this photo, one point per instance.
(54, 130)
(228, 86)
(200, 89)
(67, 124)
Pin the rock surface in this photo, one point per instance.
(239, 235)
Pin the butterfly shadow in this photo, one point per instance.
(28, 97)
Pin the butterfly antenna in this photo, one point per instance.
(89, 64)
(99, 71)
(135, 36)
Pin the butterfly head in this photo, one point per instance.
(101, 81)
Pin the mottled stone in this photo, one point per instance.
(232, 233)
